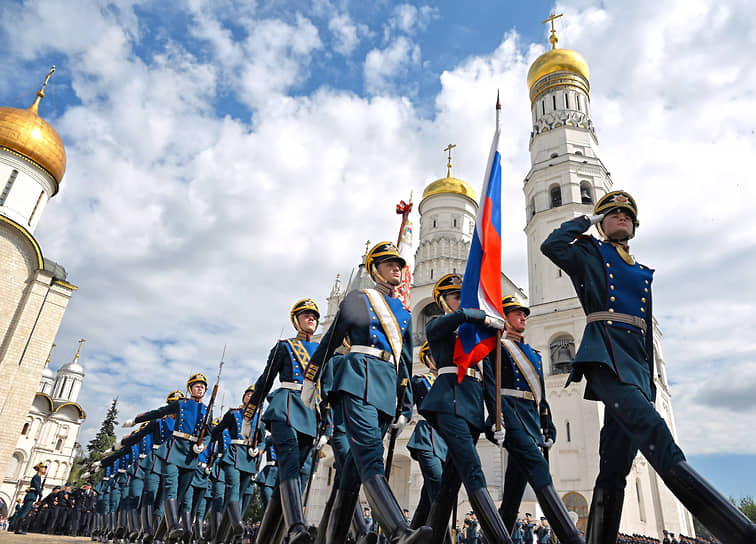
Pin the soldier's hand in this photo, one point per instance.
(547, 443)
(596, 218)
(254, 452)
(399, 424)
(322, 441)
(499, 435)
(198, 448)
(494, 322)
(308, 394)
(128, 423)
(207, 471)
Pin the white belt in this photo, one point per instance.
(202, 465)
(142, 455)
(473, 372)
(373, 352)
(185, 436)
(292, 386)
(527, 395)
(156, 446)
(122, 471)
(270, 464)
(239, 442)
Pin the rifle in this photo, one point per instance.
(245, 409)
(209, 411)
(315, 458)
(392, 439)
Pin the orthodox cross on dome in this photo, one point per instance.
(49, 355)
(448, 164)
(76, 358)
(553, 38)
(40, 93)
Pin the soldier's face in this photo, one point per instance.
(198, 390)
(618, 225)
(516, 321)
(453, 301)
(391, 271)
(248, 394)
(308, 322)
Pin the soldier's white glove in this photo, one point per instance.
(308, 394)
(498, 436)
(198, 448)
(547, 443)
(322, 441)
(96, 466)
(129, 423)
(399, 424)
(253, 452)
(596, 218)
(494, 322)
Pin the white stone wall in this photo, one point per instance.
(32, 188)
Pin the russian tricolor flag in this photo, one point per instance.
(481, 285)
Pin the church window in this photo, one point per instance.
(553, 99)
(641, 505)
(8, 186)
(431, 274)
(435, 224)
(586, 195)
(26, 428)
(59, 444)
(566, 101)
(14, 466)
(531, 208)
(556, 196)
(577, 99)
(569, 433)
(454, 221)
(543, 107)
(36, 207)
(562, 351)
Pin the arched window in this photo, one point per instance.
(26, 428)
(641, 505)
(14, 466)
(562, 351)
(586, 194)
(36, 207)
(434, 224)
(556, 196)
(531, 208)
(577, 98)
(8, 186)
(59, 444)
(568, 431)
(575, 502)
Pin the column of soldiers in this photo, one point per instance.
(167, 481)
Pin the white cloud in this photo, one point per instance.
(186, 231)
(346, 33)
(409, 19)
(384, 65)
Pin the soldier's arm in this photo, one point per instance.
(225, 423)
(649, 339)
(559, 247)
(265, 381)
(335, 335)
(406, 358)
(171, 408)
(135, 437)
(441, 326)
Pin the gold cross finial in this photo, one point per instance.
(40, 93)
(553, 38)
(78, 351)
(49, 355)
(448, 164)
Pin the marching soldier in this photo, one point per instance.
(616, 356)
(527, 420)
(181, 459)
(425, 445)
(293, 426)
(237, 461)
(34, 493)
(455, 409)
(366, 393)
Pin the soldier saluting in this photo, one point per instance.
(616, 357)
(364, 393)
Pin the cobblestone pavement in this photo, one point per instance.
(35, 538)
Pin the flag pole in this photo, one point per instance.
(498, 349)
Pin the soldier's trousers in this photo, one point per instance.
(192, 498)
(462, 457)
(630, 423)
(365, 429)
(176, 481)
(526, 463)
(136, 490)
(218, 492)
(292, 450)
(25, 509)
(236, 482)
(431, 468)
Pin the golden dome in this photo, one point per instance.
(449, 185)
(557, 60)
(24, 132)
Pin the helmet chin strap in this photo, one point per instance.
(380, 280)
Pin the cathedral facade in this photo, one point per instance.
(565, 180)
(34, 291)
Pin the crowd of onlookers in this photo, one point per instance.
(668, 538)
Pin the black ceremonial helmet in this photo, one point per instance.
(304, 305)
(383, 251)
(249, 389)
(173, 396)
(425, 356)
(448, 284)
(510, 303)
(617, 199)
(199, 377)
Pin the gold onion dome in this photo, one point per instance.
(24, 132)
(558, 60)
(449, 185)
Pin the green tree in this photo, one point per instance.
(256, 507)
(747, 506)
(98, 447)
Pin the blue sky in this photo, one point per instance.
(211, 144)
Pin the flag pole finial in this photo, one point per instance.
(498, 101)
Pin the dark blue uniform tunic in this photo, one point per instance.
(616, 359)
(238, 464)
(364, 391)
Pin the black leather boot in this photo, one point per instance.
(604, 516)
(340, 519)
(175, 531)
(291, 501)
(360, 530)
(133, 525)
(488, 517)
(216, 525)
(554, 510)
(161, 528)
(235, 518)
(199, 530)
(717, 514)
(389, 515)
(120, 529)
(186, 525)
(147, 529)
(271, 519)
